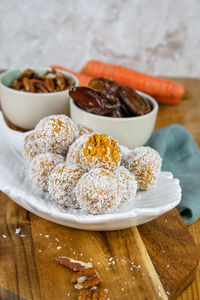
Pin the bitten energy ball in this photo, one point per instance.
(84, 130)
(55, 134)
(145, 163)
(97, 192)
(42, 165)
(127, 184)
(30, 146)
(62, 183)
(100, 150)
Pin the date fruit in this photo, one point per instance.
(106, 86)
(130, 103)
(92, 100)
(133, 102)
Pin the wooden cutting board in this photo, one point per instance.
(157, 260)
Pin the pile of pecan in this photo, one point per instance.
(52, 81)
(86, 279)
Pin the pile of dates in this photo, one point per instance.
(106, 97)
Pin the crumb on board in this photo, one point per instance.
(17, 231)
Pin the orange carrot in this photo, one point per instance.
(83, 79)
(163, 90)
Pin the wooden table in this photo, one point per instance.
(24, 257)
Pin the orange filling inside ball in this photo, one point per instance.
(104, 149)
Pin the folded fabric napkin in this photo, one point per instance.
(181, 156)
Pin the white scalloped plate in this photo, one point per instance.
(15, 182)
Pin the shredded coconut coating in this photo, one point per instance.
(145, 163)
(98, 192)
(84, 130)
(73, 155)
(41, 166)
(62, 183)
(55, 134)
(31, 148)
(100, 150)
(127, 184)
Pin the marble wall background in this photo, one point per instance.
(160, 37)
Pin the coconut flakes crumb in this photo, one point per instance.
(17, 231)
(57, 239)
(111, 258)
(58, 248)
(4, 236)
(46, 236)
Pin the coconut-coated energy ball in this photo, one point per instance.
(100, 151)
(41, 167)
(62, 183)
(73, 155)
(97, 192)
(82, 129)
(127, 184)
(55, 134)
(145, 163)
(31, 148)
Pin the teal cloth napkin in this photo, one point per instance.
(181, 156)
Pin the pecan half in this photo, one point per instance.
(39, 85)
(49, 84)
(86, 278)
(28, 85)
(60, 81)
(93, 294)
(72, 264)
(16, 85)
(27, 73)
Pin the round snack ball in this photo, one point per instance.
(42, 165)
(127, 184)
(84, 130)
(73, 155)
(30, 146)
(62, 182)
(97, 192)
(100, 150)
(145, 163)
(55, 134)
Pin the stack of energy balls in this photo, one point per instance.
(84, 169)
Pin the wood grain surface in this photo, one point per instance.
(157, 260)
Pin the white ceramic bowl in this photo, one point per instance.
(27, 109)
(130, 132)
